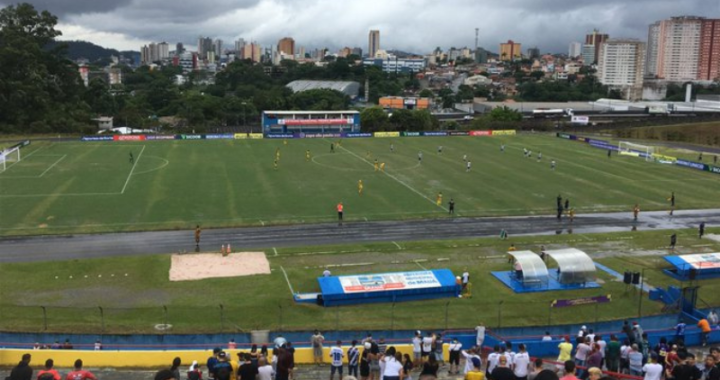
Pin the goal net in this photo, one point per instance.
(636, 150)
(9, 157)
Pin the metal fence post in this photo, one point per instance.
(44, 317)
(447, 310)
(165, 319)
(102, 321)
(500, 314)
(280, 317)
(222, 318)
(392, 317)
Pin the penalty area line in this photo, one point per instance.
(132, 170)
(52, 166)
(292, 292)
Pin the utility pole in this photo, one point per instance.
(477, 33)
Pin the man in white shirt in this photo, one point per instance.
(336, 358)
(547, 337)
(469, 355)
(427, 345)
(465, 279)
(493, 359)
(581, 333)
(417, 349)
(522, 362)
(480, 337)
(392, 369)
(652, 370)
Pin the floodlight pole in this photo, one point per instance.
(44, 317)
(102, 320)
(642, 286)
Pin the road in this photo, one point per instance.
(67, 247)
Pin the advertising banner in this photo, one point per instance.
(223, 136)
(192, 137)
(459, 133)
(480, 133)
(319, 135)
(434, 133)
(410, 134)
(703, 260)
(315, 121)
(386, 134)
(581, 301)
(256, 136)
(162, 137)
(661, 158)
(563, 135)
(388, 281)
(97, 138)
(129, 138)
(581, 120)
(714, 169)
(357, 134)
(691, 164)
(504, 132)
(269, 136)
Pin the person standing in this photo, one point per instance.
(307, 155)
(552, 164)
(636, 212)
(417, 348)
(652, 370)
(198, 231)
(336, 357)
(265, 370)
(438, 346)
(353, 359)
(79, 374)
(705, 328)
(609, 153)
(672, 202)
(360, 187)
(502, 371)
(317, 340)
(332, 148)
(701, 230)
(567, 204)
(22, 371)
(132, 159)
(427, 342)
(438, 199)
(420, 157)
(465, 279)
(467, 166)
(612, 354)
(475, 373)
(340, 213)
(49, 372)
(392, 148)
(673, 241)
(247, 370)
(451, 207)
(522, 363)
(454, 350)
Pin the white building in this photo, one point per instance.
(575, 49)
(622, 65)
(675, 48)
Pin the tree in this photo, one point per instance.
(505, 114)
(318, 100)
(373, 119)
(426, 93)
(402, 120)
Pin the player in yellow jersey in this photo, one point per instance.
(284, 141)
(438, 199)
(367, 155)
(275, 164)
(377, 165)
(382, 166)
(277, 154)
(307, 155)
(360, 187)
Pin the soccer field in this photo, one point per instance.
(95, 187)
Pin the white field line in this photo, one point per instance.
(132, 170)
(52, 166)
(59, 195)
(292, 292)
(275, 250)
(397, 245)
(395, 178)
(420, 265)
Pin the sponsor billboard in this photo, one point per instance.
(388, 281)
(129, 137)
(434, 133)
(97, 138)
(480, 133)
(504, 132)
(714, 169)
(192, 137)
(691, 164)
(162, 137)
(703, 260)
(320, 135)
(348, 121)
(270, 136)
(581, 301)
(386, 134)
(459, 133)
(222, 136)
(358, 134)
(582, 120)
(411, 134)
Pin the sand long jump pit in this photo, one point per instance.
(188, 267)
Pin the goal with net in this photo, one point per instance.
(9, 157)
(636, 150)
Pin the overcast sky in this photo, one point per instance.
(411, 25)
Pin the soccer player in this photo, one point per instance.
(552, 164)
(567, 204)
(467, 166)
(382, 166)
(377, 165)
(198, 231)
(609, 153)
(284, 141)
(360, 187)
(132, 159)
(307, 155)
(275, 164)
(332, 148)
(439, 149)
(701, 230)
(277, 154)
(420, 157)
(525, 152)
(367, 155)
(392, 148)
(529, 154)
(571, 213)
(451, 207)
(700, 157)
(672, 202)
(438, 199)
(539, 157)
(636, 212)
(340, 213)
(502, 148)
(465, 157)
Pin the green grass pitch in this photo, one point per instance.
(94, 187)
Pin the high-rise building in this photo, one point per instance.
(286, 46)
(575, 49)
(622, 63)
(596, 39)
(204, 46)
(510, 51)
(373, 43)
(154, 53)
(678, 48)
(588, 54)
(652, 50)
(217, 47)
(357, 51)
(481, 55)
(253, 52)
(239, 45)
(709, 60)
(179, 48)
(533, 53)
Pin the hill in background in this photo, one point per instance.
(88, 50)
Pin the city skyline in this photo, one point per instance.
(550, 25)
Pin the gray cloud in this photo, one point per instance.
(418, 25)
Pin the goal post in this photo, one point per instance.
(9, 157)
(636, 150)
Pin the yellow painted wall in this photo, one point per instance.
(146, 359)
